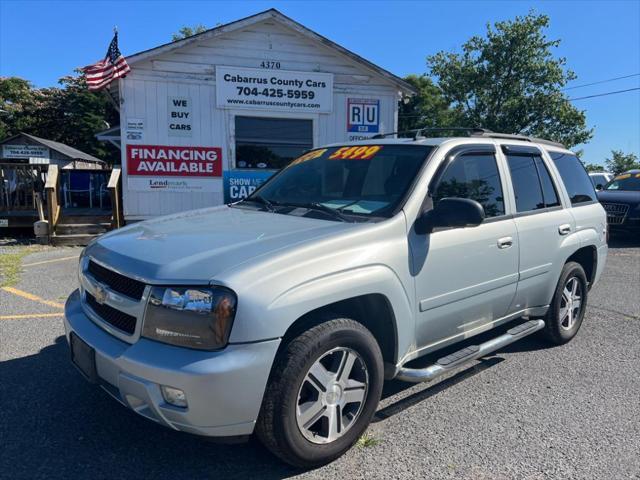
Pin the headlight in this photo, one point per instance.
(191, 317)
(82, 265)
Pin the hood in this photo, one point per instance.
(619, 196)
(196, 246)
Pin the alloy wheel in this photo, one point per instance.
(332, 395)
(570, 303)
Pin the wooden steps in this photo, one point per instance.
(80, 229)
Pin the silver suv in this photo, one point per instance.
(283, 314)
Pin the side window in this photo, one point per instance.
(526, 185)
(548, 188)
(575, 178)
(473, 176)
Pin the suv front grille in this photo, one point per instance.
(616, 212)
(116, 282)
(113, 317)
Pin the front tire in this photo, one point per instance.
(323, 391)
(567, 309)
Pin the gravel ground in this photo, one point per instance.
(527, 412)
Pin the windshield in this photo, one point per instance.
(365, 180)
(626, 181)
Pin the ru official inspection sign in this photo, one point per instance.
(363, 115)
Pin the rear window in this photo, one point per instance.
(575, 178)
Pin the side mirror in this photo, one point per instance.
(450, 212)
(599, 187)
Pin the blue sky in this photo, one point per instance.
(44, 40)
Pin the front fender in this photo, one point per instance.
(259, 322)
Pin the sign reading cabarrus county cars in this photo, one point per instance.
(279, 90)
(25, 151)
(183, 168)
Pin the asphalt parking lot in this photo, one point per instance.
(527, 412)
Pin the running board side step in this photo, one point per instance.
(473, 352)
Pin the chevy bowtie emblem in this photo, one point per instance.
(100, 294)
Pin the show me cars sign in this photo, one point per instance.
(274, 90)
(173, 168)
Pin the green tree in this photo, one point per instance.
(18, 102)
(185, 32)
(509, 81)
(621, 162)
(593, 167)
(428, 108)
(70, 114)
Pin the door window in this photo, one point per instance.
(271, 143)
(575, 178)
(548, 188)
(532, 184)
(474, 176)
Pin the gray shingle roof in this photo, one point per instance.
(70, 152)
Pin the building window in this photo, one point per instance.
(271, 143)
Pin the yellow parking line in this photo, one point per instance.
(32, 297)
(34, 315)
(50, 261)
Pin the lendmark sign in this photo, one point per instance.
(198, 168)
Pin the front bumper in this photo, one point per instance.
(224, 389)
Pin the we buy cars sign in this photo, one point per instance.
(173, 168)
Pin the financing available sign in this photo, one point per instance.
(174, 168)
(280, 90)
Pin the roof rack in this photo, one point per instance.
(418, 131)
(513, 136)
(472, 132)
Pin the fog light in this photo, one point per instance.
(174, 396)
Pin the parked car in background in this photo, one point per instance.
(284, 313)
(600, 179)
(621, 200)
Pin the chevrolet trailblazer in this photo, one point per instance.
(282, 315)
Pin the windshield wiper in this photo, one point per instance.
(269, 205)
(319, 207)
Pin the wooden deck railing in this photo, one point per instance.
(115, 189)
(52, 191)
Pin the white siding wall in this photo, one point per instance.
(190, 72)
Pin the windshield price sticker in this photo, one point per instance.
(309, 156)
(366, 152)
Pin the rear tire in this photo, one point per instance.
(567, 309)
(323, 391)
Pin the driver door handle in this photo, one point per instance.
(564, 229)
(505, 242)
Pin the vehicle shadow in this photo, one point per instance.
(622, 240)
(531, 343)
(54, 424)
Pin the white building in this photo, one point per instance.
(226, 108)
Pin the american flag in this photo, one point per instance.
(101, 74)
